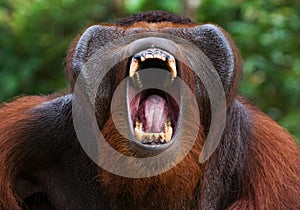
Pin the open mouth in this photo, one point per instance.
(153, 112)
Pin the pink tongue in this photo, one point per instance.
(155, 111)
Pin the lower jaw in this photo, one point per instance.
(141, 150)
(129, 146)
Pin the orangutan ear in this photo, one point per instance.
(217, 45)
(92, 39)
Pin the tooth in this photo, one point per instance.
(163, 141)
(155, 139)
(172, 65)
(148, 56)
(142, 58)
(139, 125)
(148, 138)
(162, 137)
(163, 57)
(139, 134)
(134, 66)
(168, 131)
(168, 121)
(156, 135)
(157, 56)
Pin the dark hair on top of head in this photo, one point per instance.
(153, 17)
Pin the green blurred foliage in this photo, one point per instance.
(35, 35)
(267, 34)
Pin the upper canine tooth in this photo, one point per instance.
(139, 135)
(142, 58)
(172, 65)
(134, 66)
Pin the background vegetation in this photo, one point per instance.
(35, 35)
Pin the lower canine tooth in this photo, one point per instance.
(168, 131)
(138, 131)
(139, 135)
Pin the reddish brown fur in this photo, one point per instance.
(10, 141)
(272, 174)
(172, 189)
